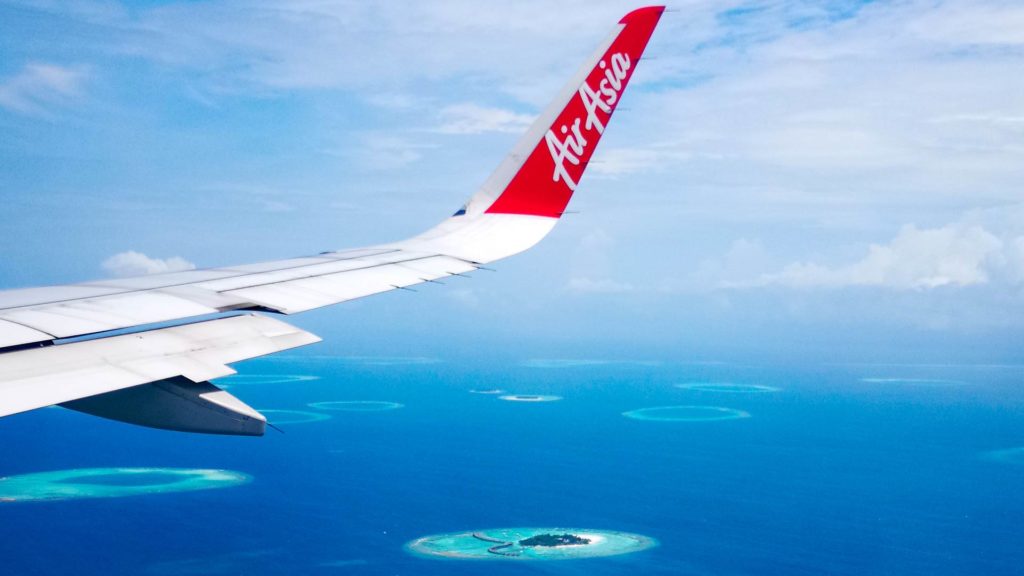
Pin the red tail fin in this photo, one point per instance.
(560, 148)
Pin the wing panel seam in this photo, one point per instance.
(370, 267)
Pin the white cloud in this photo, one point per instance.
(277, 206)
(745, 260)
(591, 270)
(475, 119)
(622, 161)
(917, 259)
(39, 86)
(132, 263)
(381, 151)
(856, 113)
(982, 23)
(464, 297)
(1016, 261)
(344, 43)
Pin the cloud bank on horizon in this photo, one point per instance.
(786, 164)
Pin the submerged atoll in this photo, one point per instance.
(491, 391)
(529, 398)
(913, 381)
(1006, 456)
(529, 544)
(387, 360)
(357, 405)
(562, 362)
(282, 417)
(727, 387)
(686, 414)
(248, 379)
(583, 363)
(113, 483)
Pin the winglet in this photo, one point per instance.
(541, 173)
(651, 14)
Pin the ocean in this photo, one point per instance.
(835, 469)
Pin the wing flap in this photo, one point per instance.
(176, 404)
(41, 377)
(13, 334)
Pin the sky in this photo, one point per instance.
(797, 181)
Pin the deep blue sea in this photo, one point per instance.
(831, 474)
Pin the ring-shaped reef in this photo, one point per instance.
(727, 387)
(388, 360)
(357, 405)
(686, 414)
(913, 381)
(529, 398)
(113, 483)
(562, 363)
(519, 544)
(1014, 456)
(247, 379)
(275, 416)
(583, 363)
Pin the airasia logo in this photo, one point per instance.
(570, 148)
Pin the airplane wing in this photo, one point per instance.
(142, 349)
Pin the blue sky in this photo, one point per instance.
(835, 181)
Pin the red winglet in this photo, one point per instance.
(650, 13)
(548, 177)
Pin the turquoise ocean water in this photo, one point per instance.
(844, 469)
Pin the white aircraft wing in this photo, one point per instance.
(142, 349)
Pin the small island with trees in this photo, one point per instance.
(553, 540)
(502, 548)
(529, 544)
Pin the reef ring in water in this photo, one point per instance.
(686, 414)
(247, 379)
(357, 405)
(530, 398)
(1006, 456)
(113, 483)
(727, 387)
(913, 381)
(280, 417)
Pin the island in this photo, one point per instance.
(525, 544)
(552, 540)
